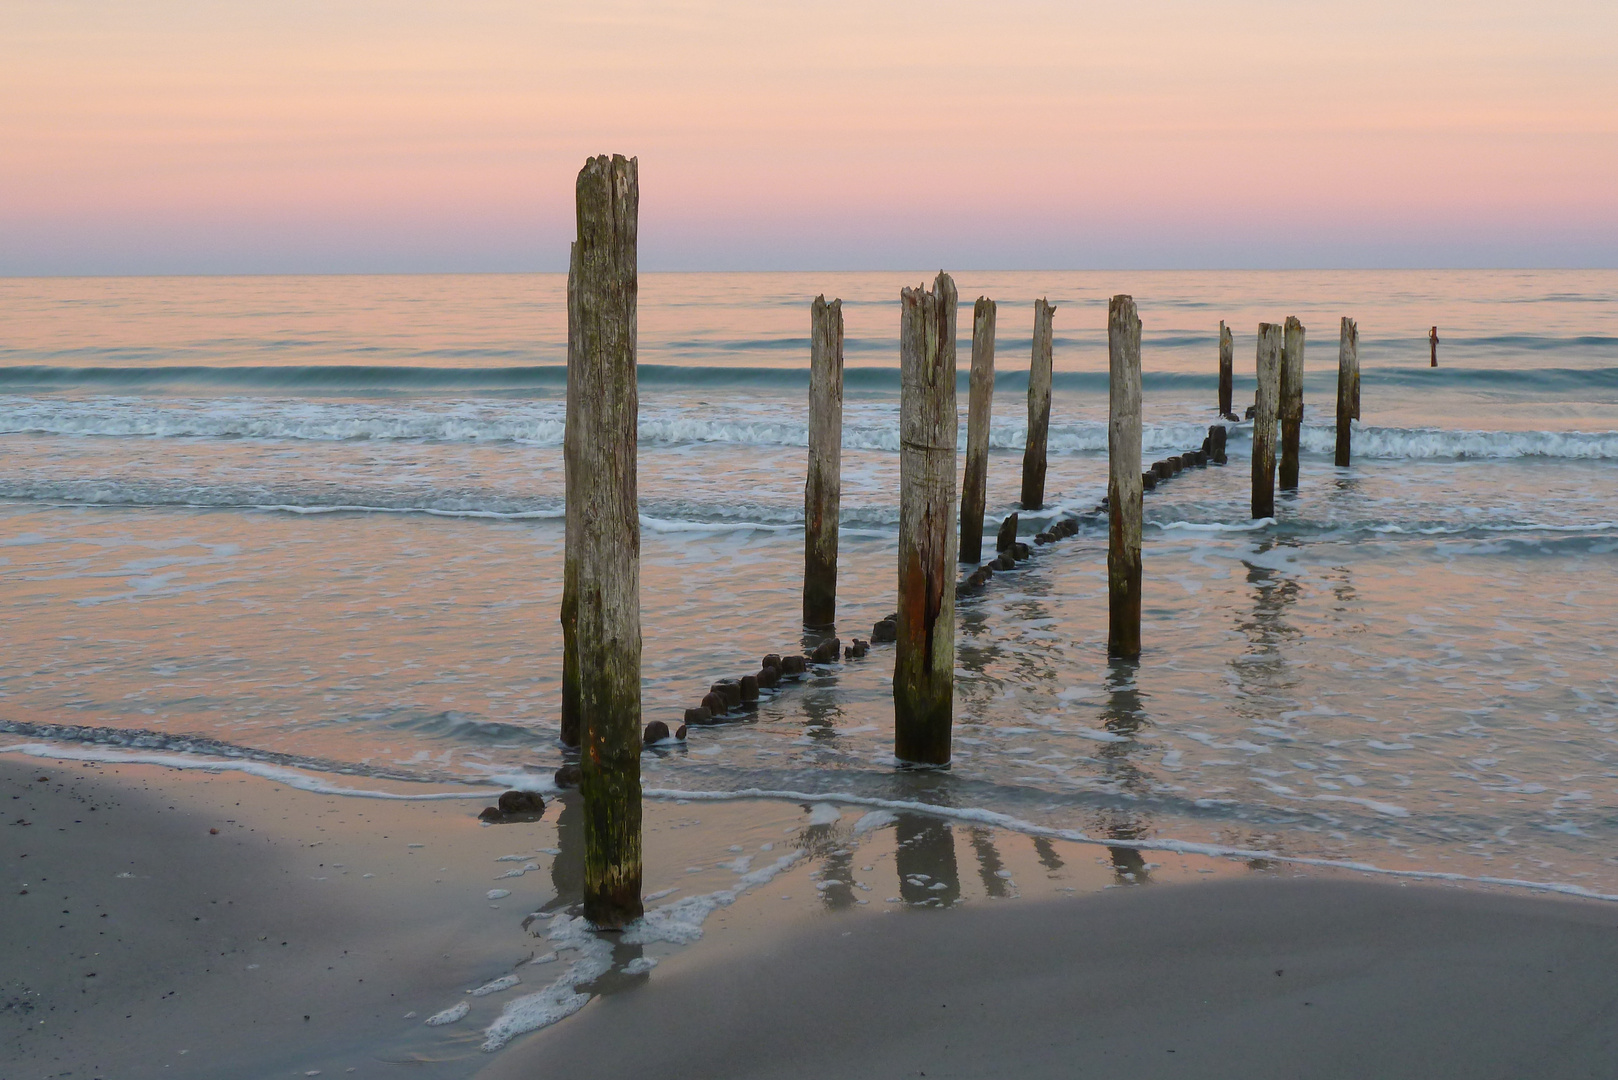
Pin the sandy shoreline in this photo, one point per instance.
(145, 944)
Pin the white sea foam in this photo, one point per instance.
(504, 982)
(292, 778)
(449, 1015)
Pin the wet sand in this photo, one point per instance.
(316, 932)
(1254, 978)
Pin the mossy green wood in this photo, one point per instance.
(603, 519)
(924, 667)
(1291, 401)
(980, 400)
(1124, 487)
(823, 488)
(1268, 362)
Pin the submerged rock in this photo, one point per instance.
(1007, 534)
(656, 732)
(679, 733)
(568, 775)
(885, 630)
(749, 685)
(793, 665)
(698, 715)
(715, 704)
(827, 652)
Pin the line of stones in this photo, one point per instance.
(727, 698)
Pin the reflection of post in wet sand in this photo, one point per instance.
(1128, 865)
(990, 868)
(1048, 858)
(834, 846)
(925, 858)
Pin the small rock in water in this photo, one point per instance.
(730, 690)
(1021, 551)
(856, 650)
(1007, 534)
(1044, 537)
(715, 704)
(656, 731)
(749, 685)
(793, 665)
(827, 652)
(698, 715)
(679, 733)
(1176, 463)
(1251, 410)
(522, 802)
(885, 630)
(768, 676)
(1005, 561)
(1148, 481)
(568, 775)
(772, 660)
(491, 814)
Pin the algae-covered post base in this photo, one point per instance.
(603, 533)
(1227, 364)
(974, 486)
(924, 666)
(1124, 484)
(1348, 389)
(1264, 416)
(1291, 401)
(823, 490)
(1039, 409)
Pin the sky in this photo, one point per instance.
(309, 136)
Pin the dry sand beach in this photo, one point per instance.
(316, 933)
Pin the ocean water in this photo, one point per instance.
(317, 521)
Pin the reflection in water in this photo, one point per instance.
(925, 857)
(834, 845)
(1123, 714)
(1048, 858)
(990, 869)
(1263, 678)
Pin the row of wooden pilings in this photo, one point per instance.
(600, 613)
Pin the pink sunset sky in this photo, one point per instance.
(176, 136)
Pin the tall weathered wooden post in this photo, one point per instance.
(1124, 480)
(823, 491)
(1291, 401)
(1039, 409)
(603, 532)
(1264, 415)
(1348, 388)
(924, 669)
(1227, 363)
(980, 397)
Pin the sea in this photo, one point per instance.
(315, 523)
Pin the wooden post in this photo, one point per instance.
(1124, 480)
(924, 669)
(1432, 340)
(974, 488)
(1227, 360)
(823, 492)
(1348, 388)
(1264, 413)
(599, 449)
(1291, 402)
(1039, 409)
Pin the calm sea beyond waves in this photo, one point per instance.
(315, 523)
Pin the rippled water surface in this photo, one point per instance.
(318, 519)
